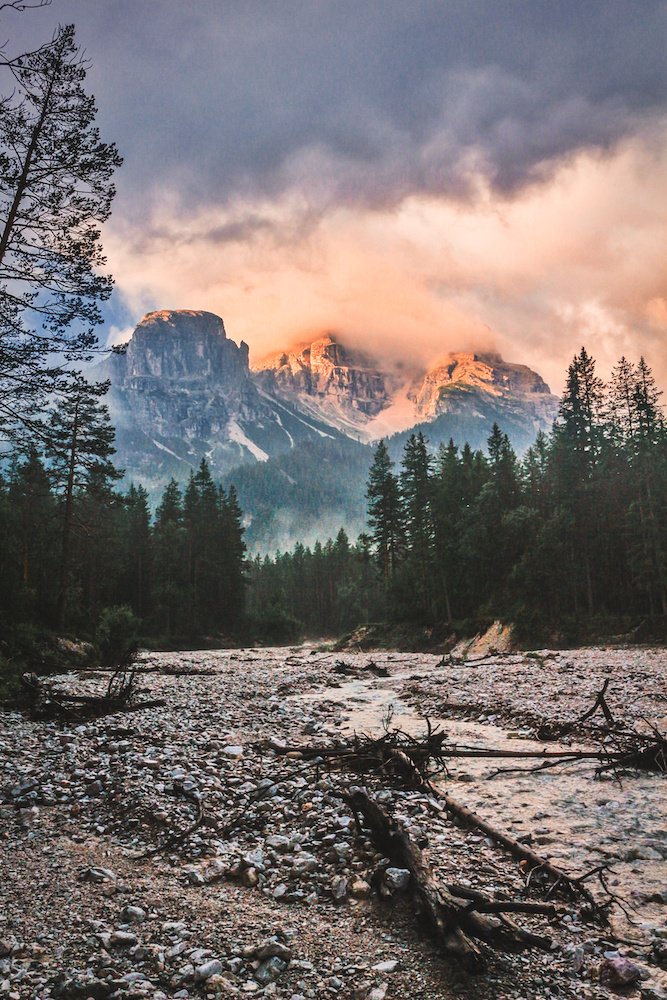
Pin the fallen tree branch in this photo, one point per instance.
(533, 862)
(177, 836)
(599, 703)
(455, 925)
(48, 702)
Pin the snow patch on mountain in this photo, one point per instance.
(236, 434)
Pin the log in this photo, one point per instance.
(533, 861)
(48, 701)
(454, 921)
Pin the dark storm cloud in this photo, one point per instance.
(360, 102)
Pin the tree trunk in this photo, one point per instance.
(67, 519)
(22, 183)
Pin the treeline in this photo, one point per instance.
(574, 531)
(72, 545)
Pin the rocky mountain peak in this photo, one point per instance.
(455, 380)
(183, 343)
(328, 379)
(182, 390)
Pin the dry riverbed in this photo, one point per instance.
(102, 896)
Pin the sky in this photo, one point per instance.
(417, 178)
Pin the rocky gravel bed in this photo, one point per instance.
(168, 853)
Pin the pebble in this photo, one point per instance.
(270, 970)
(619, 971)
(390, 965)
(397, 879)
(208, 969)
(123, 939)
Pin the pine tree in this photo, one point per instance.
(579, 437)
(31, 513)
(385, 512)
(80, 446)
(417, 496)
(137, 556)
(169, 552)
(96, 545)
(232, 561)
(621, 401)
(648, 446)
(55, 190)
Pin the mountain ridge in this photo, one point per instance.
(295, 429)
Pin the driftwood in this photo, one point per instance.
(389, 752)
(346, 669)
(178, 836)
(601, 704)
(532, 862)
(457, 918)
(409, 761)
(48, 702)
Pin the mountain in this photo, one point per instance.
(367, 398)
(181, 390)
(294, 432)
(342, 387)
(464, 394)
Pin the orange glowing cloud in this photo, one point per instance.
(577, 259)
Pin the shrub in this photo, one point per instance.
(117, 632)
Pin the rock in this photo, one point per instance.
(273, 948)
(305, 863)
(379, 992)
(396, 879)
(208, 969)
(619, 971)
(123, 939)
(133, 915)
(576, 955)
(390, 965)
(270, 970)
(277, 842)
(232, 751)
(360, 888)
(250, 877)
(95, 874)
(339, 888)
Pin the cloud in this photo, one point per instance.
(362, 104)
(418, 176)
(579, 259)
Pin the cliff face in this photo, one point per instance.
(466, 382)
(183, 344)
(328, 380)
(182, 391)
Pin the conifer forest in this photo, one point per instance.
(572, 532)
(574, 529)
